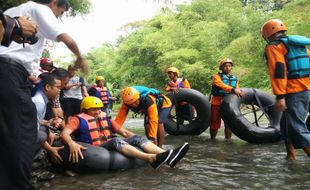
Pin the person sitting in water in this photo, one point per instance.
(93, 127)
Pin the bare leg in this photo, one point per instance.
(228, 133)
(213, 133)
(160, 135)
(307, 150)
(152, 148)
(133, 152)
(290, 151)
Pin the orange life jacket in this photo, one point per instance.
(103, 94)
(94, 130)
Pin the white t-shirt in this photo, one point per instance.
(75, 91)
(49, 27)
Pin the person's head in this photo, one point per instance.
(273, 30)
(71, 71)
(51, 85)
(63, 75)
(91, 105)
(100, 81)
(131, 96)
(58, 6)
(47, 64)
(226, 65)
(172, 72)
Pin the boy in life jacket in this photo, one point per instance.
(184, 111)
(154, 105)
(102, 92)
(289, 70)
(94, 127)
(222, 83)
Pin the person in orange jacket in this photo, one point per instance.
(223, 83)
(155, 107)
(183, 111)
(176, 81)
(92, 126)
(289, 69)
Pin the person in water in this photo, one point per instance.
(101, 91)
(289, 70)
(150, 102)
(223, 83)
(94, 127)
(184, 111)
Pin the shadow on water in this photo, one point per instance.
(222, 164)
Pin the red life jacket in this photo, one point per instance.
(103, 94)
(94, 130)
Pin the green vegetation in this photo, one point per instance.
(194, 38)
(78, 7)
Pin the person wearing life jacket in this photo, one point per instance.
(223, 83)
(184, 111)
(176, 81)
(92, 126)
(102, 92)
(289, 70)
(155, 106)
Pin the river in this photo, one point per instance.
(222, 164)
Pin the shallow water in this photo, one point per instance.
(222, 164)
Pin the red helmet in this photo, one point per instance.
(46, 62)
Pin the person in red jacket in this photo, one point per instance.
(289, 69)
(223, 83)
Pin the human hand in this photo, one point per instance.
(82, 64)
(281, 104)
(76, 152)
(238, 91)
(52, 137)
(53, 152)
(56, 122)
(28, 26)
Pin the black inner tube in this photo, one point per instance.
(186, 124)
(242, 126)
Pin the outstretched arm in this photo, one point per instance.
(72, 45)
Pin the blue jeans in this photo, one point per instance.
(294, 128)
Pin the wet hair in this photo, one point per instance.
(61, 73)
(60, 3)
(48, 78)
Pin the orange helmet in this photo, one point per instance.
(272, 26)
(225, 60)
(173, 69)
(130, 95)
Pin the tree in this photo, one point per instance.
(81, 7)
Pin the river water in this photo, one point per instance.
(222, 164)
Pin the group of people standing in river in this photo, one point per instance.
(21, 115)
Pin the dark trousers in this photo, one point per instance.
(18, 132)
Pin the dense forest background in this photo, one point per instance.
(194, 38)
